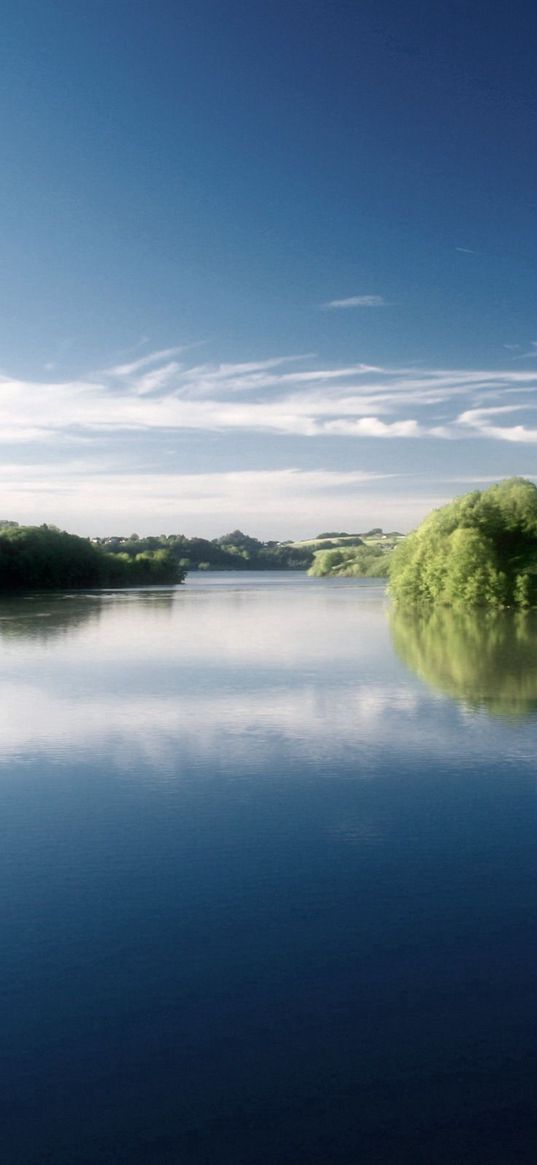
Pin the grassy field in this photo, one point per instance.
(385, 541)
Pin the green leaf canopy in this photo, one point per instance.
(479, 551)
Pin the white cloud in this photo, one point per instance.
(356, 301)
(141, 409)
(373, 427)
(479, 420)
(159, 394)
(176, 492)
(270, 503)
(144, 361)
(329, 374)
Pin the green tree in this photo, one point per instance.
(43, 558)
(480, 550)
(350, 562)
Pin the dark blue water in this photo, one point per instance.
(268, 883)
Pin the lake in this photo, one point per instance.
(269, 878)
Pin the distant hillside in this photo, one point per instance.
(353, 555)
(45, 557)
(234, 551)
(239, 551)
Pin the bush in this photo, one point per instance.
(479, 551)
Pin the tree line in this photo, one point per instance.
(43, 558)
(233, 551)
(478, 551)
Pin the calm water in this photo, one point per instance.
(269, 878)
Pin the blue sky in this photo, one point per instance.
(266, 265)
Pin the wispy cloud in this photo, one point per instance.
(531, 354)
(127, 422)
(157, 394)
(355, 301)
(141, 342)
(481, 421)
(144, 362)
(372, 427)
(271, 502)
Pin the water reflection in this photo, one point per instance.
(486, 660)
(245, 856)
(44, 617)
(213, 674)
(224, 677)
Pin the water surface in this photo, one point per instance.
(269, 878)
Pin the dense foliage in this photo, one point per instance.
(480, 550)
(352, 562)
(40, 558)
(44, 558)
(486, 659)
(234, 551)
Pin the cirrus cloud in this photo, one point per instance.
(157, 394)
(101, 444)
(355, 301)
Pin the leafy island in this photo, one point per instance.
(478, 551)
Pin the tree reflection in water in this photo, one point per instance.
(43, 617)
(485, 659)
